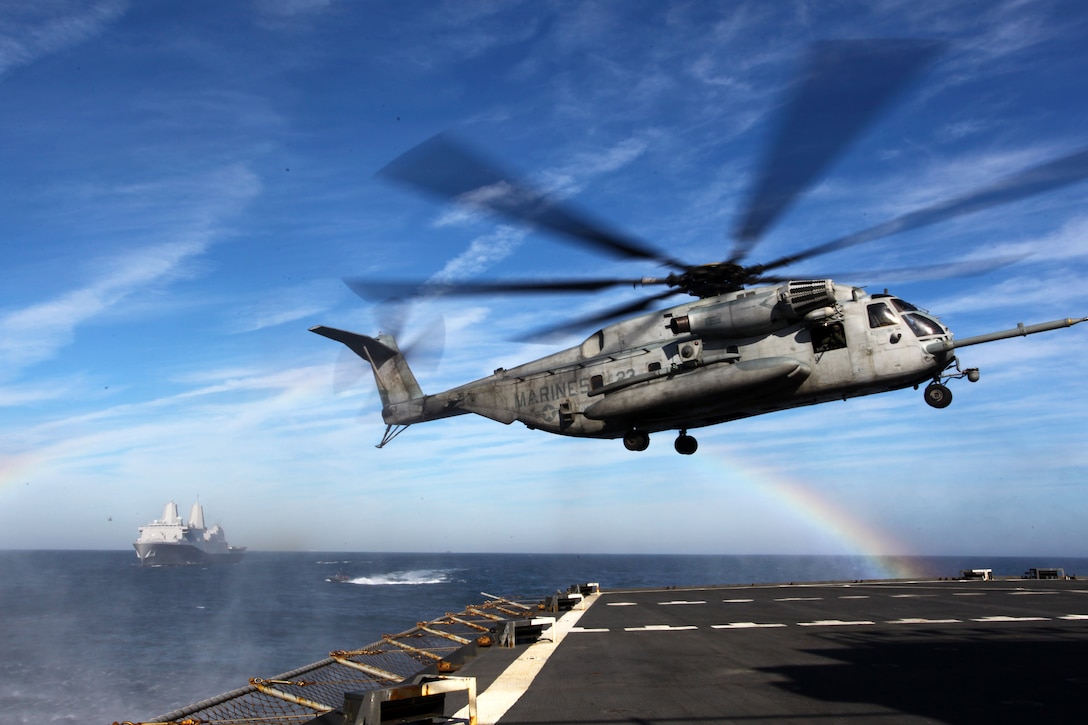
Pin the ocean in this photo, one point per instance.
(91, 637)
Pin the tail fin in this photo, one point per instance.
(396, 383)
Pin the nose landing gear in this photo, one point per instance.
(939, 396)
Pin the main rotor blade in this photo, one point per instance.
(969, 268)
(450, 171)
(597, 318)
(1036, 180)
(374, 290)
(845, 85)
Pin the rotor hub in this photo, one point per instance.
(711, 280)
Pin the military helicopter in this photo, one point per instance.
(752, 341)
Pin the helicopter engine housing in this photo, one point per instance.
(757, 312)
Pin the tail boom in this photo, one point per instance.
(403, 401)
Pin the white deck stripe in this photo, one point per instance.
(1002, 618)
(677, 602)
(921, 620)
(507, 689)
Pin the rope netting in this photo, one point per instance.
(303, 694)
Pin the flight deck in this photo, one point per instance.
(941, 651)
(886, 652)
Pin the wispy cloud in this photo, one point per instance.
(36, 332)
(28, 394)
(280, 306)
(30, 31)
(482, 253)
(570, 178)
(291, 8)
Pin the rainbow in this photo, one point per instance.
(884, 552)
(17, 468)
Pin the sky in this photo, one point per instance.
(185, 185)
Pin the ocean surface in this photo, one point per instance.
(91, 637)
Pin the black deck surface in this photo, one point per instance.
(890, 652)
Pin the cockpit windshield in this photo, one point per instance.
(922, 325)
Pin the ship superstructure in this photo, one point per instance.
(169, 541)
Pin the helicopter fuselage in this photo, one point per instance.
(708, 361)
(712, 360)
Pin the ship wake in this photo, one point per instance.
(411, 577)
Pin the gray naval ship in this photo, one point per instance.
(169, 541)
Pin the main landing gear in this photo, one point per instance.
(685, 445)
(636, 440)
(639, 440)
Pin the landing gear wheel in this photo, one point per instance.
(686, 445)
(938, 396)
(636, 440)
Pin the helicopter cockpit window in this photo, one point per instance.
(880, 315)
(922, 326)
(903, 305)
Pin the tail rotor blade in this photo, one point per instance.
(424, 353)
(347, 372)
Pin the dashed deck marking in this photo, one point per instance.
(911, 596)
(621, 604)
(679, 602)
(737, 601)
(922, 620)
(834, 623)
(1023, 592)
(854, 596)
(745, 625)
(968, 594)
(589, 629)
(1073, 616)
(660, 628)
(1004, 618)
(799, 599)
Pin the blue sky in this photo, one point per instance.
(185, 184)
